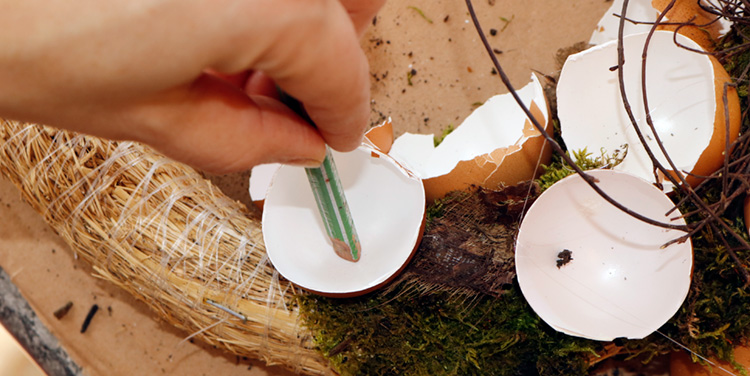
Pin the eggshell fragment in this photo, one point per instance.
(682, 364)
(381, 136)
(685, 94)
(619, 282)
(260, 179)
(645, 12)
(496, 145)
(705, 32)
(608, 27)
(386, 203)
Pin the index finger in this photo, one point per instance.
(362, 12)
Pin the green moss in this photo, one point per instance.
(435, 335)
(446, 131)
(558, 169)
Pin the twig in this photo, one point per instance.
(586, 177)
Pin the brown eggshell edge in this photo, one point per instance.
(681, 364)
(706, 33)
(381, 136)
(712, 157)
(503, 167)
(382, 284)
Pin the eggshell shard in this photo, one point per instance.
(381, 136)
(619, 282)
(645, 12)
(685, 93)
(260, 179)
(386, 203)
(704, 27)
(608, 27)
(496, 145)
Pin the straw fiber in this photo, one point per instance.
(157, 229)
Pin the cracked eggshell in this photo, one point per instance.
(260, 179)
(685, 91)
(647, 11)
(607, 28)
(496, 145)
(387, 204)
(381, 136)
(620, 282)
(690, 11)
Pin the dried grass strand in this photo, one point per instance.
(157, 229)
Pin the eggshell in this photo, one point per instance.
(680, 364)
(705, 33)
(387, 205)
(381, 136)
(620, 282)
(260, 179)
(608, 27)
(496, 145)
(647, 11)
(685, 92)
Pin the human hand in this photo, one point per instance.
(194, 79)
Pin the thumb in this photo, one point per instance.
(216, 127)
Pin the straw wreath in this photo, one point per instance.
(157, 229)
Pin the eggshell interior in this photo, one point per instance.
(608, 27)
(388, 208)
(620, 282)
(496, 145)
(683, 91)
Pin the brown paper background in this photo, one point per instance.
(452, 73)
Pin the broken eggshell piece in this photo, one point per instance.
(645, 13)
(387, 206)
(685, 93)
(495, 145)
(618, 281)
(260, 179)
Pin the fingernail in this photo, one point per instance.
(305, 162)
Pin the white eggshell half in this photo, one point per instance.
(498, 123)
(681, 96)
(620, 282)
(387, 205)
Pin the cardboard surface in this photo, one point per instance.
(450, 72)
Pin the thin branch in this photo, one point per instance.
(591, 181)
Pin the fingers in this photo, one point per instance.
(362, 12)
(320, 63)
(216, 127)
(260, 84)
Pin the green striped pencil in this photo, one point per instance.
(329, 195)
(330, 198)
